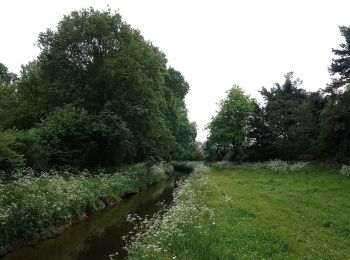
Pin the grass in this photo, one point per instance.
(253, 212)
(31, 206)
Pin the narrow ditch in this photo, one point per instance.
(101, 233)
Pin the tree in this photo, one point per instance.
(97, 62)
(339, 68)
(8, 95)
(260, 136)
(6, 77)
(72, 136)
(9, 157)
(228, 130)
(183, 144)
(289, 117)
(334, 138)
(103, 92)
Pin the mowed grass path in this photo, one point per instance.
(267, 214)
(261, 214)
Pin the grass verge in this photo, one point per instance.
(32, 207)
(252, 212)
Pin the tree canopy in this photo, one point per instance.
(340, 67)
(293, 124)
(99, 94)
(230, 127)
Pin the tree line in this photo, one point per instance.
(98, 94)
(293, 124)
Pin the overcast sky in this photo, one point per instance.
(214, 44)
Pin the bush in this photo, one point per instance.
(10, 158)
(274, 165)
(168, 168)
(223, 164)
(285, 167)
(74, 137)
(35, 153)
(22, 148)
(298, 166)
(158, 173)
(186, 167)
(278, 166)
(65, 135)
(345, 170)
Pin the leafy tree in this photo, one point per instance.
(260, 136)
(8, 95)
(65, 135)
(289, 117)
(183, 145)
(74, 137)
(9, 157)
(99, 95)
(7, 77)
(230, 127)
(339, 68)
(176, 83)
(334, 138)
(293, 124)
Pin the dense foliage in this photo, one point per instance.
(293, 124)
(339, 68)
(230, 126)
(97, 95)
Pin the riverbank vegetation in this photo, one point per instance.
(98, 100)
(260, 211)
(32, 206)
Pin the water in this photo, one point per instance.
(100, 234)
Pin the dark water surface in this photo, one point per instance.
(101, 234)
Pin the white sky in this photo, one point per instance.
(214, 44)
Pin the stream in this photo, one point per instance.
(101, 234)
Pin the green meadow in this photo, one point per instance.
(253, 212)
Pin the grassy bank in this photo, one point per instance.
(32, 207)
(276, 211)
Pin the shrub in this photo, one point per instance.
(274, 165)
(65, 135)
(278, 166)
(10, 158)
(75, 137)
(169, 169)
(223, 164)
(186, 167)
(298, 166)
(285, 167)
(158, 172)
(35, 153)
(345, 170)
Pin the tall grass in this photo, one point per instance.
(158, 235)
(32, 206)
